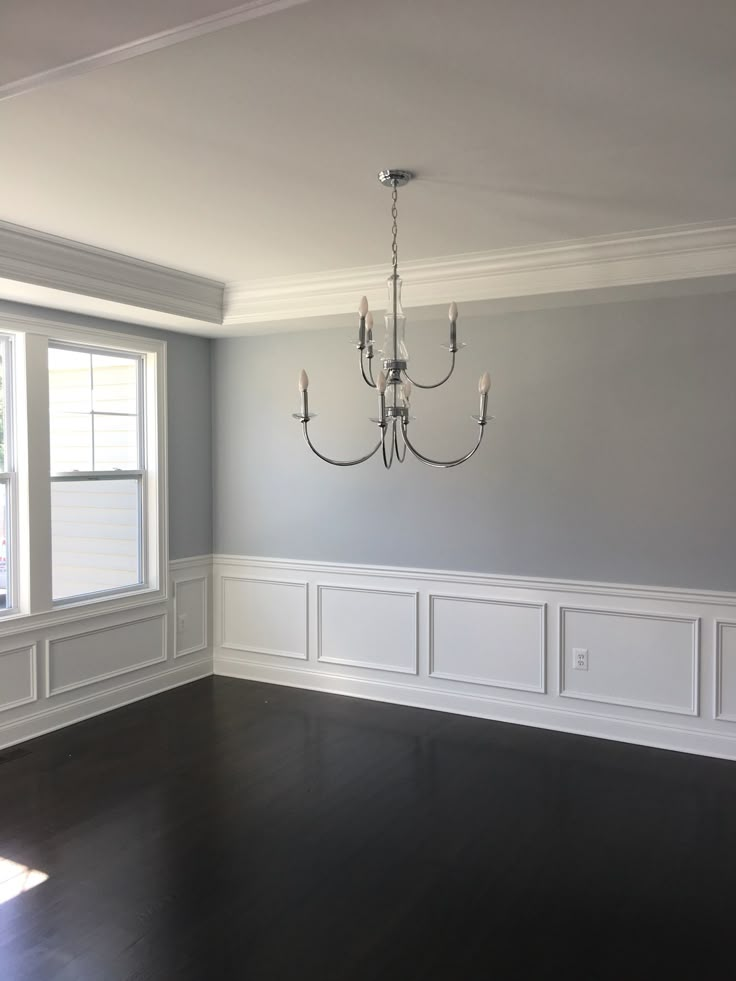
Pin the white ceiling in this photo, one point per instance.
(251, 152)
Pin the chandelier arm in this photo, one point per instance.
(436, 384)
(368, 379)
(444, 465)
(337, 463)
(388, 460)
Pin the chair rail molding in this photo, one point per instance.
(496, 647)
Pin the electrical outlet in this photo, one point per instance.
(580, 658)
(181, 621)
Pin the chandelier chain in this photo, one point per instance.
(394, 227)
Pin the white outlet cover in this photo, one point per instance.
(580, 658)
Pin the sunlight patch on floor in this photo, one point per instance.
(16, 878)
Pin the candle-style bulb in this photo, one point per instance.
(303, 381)
(406, 391)
(453, 312)
(484, 384)
(363, 306)
(369, 320)
(381, 383)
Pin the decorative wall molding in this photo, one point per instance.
(163, 39)
(540, 654)
(58, 264)
(724, 629)
(29, 653)
(128, 639)
(680, 252)
(265, 616)
(362, 632)
(107, 657)
(500, 641)
(693, 625)
(197, 607)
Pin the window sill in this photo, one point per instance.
(88, 609)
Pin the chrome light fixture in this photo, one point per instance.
(393, 383)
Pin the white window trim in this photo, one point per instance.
(11, 476)
(33, 597)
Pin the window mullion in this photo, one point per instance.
(34, 489)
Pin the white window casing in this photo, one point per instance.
(30, 483)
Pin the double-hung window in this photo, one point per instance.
(98, 471)
(82, 469)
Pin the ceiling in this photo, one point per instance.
(251, 151)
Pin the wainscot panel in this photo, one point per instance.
(263, 616)
(66, 665)
(17, 677)
(725, 672)
(491, 646)
(348, 619)
(645, 660)
(488, 642)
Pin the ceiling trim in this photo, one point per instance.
(36, 259)
(661, 255)
(45, 270)
(153, 42)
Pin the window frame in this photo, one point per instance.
(9, 477)
(34, 604)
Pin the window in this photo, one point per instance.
(98, 470)
(7, 475)
(82, 469)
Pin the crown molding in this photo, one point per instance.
(153, 42)
(34, 263)
(44, 270)
(661, 255)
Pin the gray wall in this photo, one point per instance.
(189, 427)
(612, 458)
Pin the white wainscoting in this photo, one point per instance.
(725, 671)
(18, 677)
(644, 660)
(661, 663)
(488, 642)
(367, 628)
(263, 616)
(66, 666)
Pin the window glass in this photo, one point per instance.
(95, 536)
(96, 511)
(94, 411)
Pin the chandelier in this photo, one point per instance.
(393, 383)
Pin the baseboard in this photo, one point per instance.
(623, 730)
(47, 720)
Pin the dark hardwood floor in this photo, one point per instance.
(236, 830)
